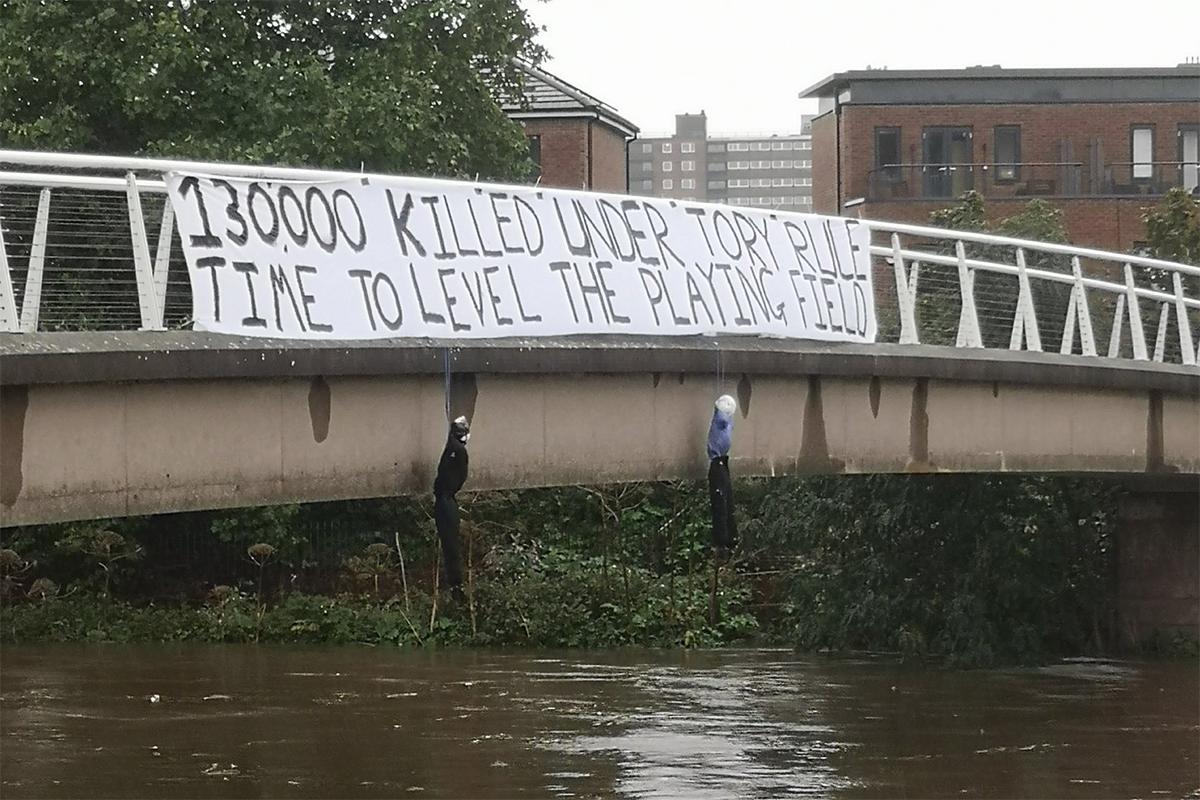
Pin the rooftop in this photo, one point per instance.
(835, 83)
(547, 95)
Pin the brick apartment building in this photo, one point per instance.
(1101, 144)
(761, 170)
(577, 140)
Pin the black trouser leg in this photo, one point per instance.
(720, 495)
(445, 516)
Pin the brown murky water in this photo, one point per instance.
(244, 721)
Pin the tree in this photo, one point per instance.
(995, 294)
(390, 85)
(1173, 227)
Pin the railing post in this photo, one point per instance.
(152, 317)
(1186, 352)
(1114, 338)
(1078, 311)
(31, 302)
(1137, 333)
(906, 294)
(1160, 339)
(162, 258)
(1025, 319)
(968, 319)
(9, 322)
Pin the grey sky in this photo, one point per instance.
(744, 61)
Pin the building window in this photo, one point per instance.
(647, 147)
(535, 151)
(687, 166)
(716, 148)
(804, 164)
(1189, 156)
(687, 183)
(668, 183)
(887, 154)
(1141, 145)
(646, 185)
(947, 157)
(666, 147)
(647, 166)
(667, 166)
(804, 146)
(716, 167)
(716, 184)
(687, 147)
(739, 146)
(1008, 152)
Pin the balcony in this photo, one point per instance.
(901, 182)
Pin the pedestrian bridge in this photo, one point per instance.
(989, 359)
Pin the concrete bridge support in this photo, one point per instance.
(1158, 565)
(98, 425)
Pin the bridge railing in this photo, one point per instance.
(89, 243)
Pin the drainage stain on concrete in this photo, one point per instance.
(14, 402)
(1155, 459)
(657, 378)
(744, 390)
(463, 394)
(873, 392)
(814, 445)
(918, 428)
(319, 406)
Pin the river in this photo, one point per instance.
(246, 721)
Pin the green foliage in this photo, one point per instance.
(939, 303)
(964, 570)
(1175, 644)
(404, 86)
(376, 561)
(549, 597)
(1173, 227)
(1037, 220)
(13, 570)
(970, 570)
(271, 526)
(968, 215)
(102, 546)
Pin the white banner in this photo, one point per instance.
(402, 257)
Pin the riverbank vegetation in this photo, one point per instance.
(964, 570)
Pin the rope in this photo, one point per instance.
(720, 370)
(446, 376)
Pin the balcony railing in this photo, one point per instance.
(1030, 179)
(1126, 178)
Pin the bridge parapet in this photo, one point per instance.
(89, 243)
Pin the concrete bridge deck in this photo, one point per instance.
(109, 424)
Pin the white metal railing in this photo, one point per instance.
(75, 254)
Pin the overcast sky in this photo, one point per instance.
(744, 61)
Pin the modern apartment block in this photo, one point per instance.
(763, 171)
(1101, 144)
